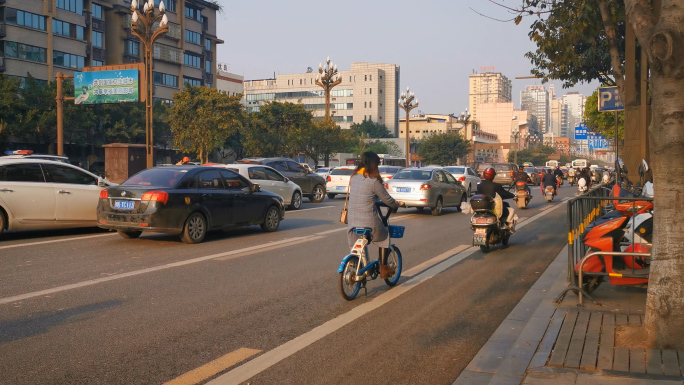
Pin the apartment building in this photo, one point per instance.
(535, 99)
(488, 87)
(368, 91)
(423, 125)
(230, 83)
(50, 36)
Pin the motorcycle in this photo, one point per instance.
(522, 196)
(582, 186)
(559, 181)
(571, 180)
(489, 229)
(548, 193)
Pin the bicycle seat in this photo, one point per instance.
(363, 231)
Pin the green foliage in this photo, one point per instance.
(571, 41)
(443, 148)
(370, 129)
(9, 103)
(277, 129)
(602, 122)
(323, 139)
(202, 118)
(385, 147)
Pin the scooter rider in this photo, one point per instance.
(549, 180)
(489, 188)
(558, 173)
(571, 172)
(586, 174)
(522, 176)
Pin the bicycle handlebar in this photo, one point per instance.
(384, 217)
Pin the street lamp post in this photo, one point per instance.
(407, 102)
(515, 133)
(464, 119)
(327, 79)
(143, 27)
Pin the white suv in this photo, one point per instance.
(45, 194)
(338, 180)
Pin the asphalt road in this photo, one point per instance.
(89, 307)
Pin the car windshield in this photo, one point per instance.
(388, 170)
(529, 169)
(342, 171)
(502, 167)
(414, 174)
(159, 177)
(456, 170)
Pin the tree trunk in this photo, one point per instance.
(615, 61)
(663, 39)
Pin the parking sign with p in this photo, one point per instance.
(609, 99)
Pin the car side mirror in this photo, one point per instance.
(101, 182)
(255, 187)
(287, 179)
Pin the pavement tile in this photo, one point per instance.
(468, 377)
(595, 379)
(548, 378)
(505, 379)
(489, 358)
(509, 330)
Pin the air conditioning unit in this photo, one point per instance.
(89, 48)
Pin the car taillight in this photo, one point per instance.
(104, 194)
(156, 196)
(461, 179)
(512, 173)
(329, 178)
(425, 187)
(386, 186)
(388, 177)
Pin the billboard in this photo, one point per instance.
(609, 99)
(581, 132)
(98, 87)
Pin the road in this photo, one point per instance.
(89, 307)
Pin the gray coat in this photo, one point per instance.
(362, 212)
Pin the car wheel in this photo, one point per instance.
(272, 220)
(317, 194)
(464, 198)
(129, 234)
(331, 196)
(296, 202)
(437, 210)
(195, 228)
(3, 221)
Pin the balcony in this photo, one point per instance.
(208, 78)
(3, 29)
(2, 64)
(167, 53)
(87, 18)
(175, 31)
(98, 25)
(99, 54)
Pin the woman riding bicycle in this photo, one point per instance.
(365, 188)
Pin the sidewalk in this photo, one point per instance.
(541, 342)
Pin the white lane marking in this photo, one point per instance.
(272, 357)
(331, 231)
(301, 210)
(20, 297)
(54, 241)
(269, 247)
(521, 219)
(425, 265)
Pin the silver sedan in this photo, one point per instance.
(427, 187)
(270, 180)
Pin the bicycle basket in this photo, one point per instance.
(396, 231)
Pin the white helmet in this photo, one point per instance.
(582, 182)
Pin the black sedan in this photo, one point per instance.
(188, 201)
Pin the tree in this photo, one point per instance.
(660, 34)
(9, 103)
(385, 147)
(443, 148)
(202, 118)
(278, 129)
(371, 129)
(602, 122)
(323, 139)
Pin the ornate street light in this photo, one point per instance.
(407, 102)
(144, 27)
(327, 79)
(515, 133)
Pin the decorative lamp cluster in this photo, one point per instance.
(327, 78)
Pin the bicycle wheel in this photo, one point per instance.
(394, 262)
(349, 287)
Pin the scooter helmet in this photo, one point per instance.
(606, 178)
(489, 173)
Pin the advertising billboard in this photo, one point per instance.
(99, 87)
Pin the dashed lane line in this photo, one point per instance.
(213, 368)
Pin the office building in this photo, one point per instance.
(535, 99)
(488, 87)
(230, 83)
(369, 91)
(43, 38)
(422, 125)
(501, 119)
(574, 102)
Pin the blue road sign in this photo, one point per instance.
(609, 99)
(581, 132)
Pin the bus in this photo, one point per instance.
(385, 160)
(552, 164)
(581, 163)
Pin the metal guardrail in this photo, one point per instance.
(610, 254)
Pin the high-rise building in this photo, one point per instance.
(488, 87)
(574, 102)
(535, 99)
(369, 91)
(42, 38)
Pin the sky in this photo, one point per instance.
(437, 43)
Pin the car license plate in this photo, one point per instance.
(403, 189)
(481, 230)
(340, 187)
(124, 205)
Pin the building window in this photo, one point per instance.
(63, 28)
(193, 13)
(380, 91)
(192, 60)
(75, 6)
(193, 37)
(370, 77)
(64, 59)
(370, 104)
(365, 104)
(165, 79)
(26, 19)
(97, 11)
(354, 77)
(192, 81)
(23, 51)
(370, 91)
(97, 39)
(207, 45)
(131, 48)
(365, 78)
(207, 66)
(97, 63)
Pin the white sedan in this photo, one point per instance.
(466, 175)
(269, 180)
(338, 180)
(39, 194)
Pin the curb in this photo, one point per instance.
(529, 327)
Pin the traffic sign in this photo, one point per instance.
(581, 132)
(609, 99)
